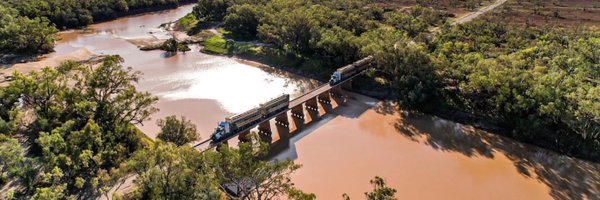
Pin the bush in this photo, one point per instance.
(215, 45)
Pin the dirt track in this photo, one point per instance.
(479, 12)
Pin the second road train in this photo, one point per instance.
(349, 70)
(239, 122)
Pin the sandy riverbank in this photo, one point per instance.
(46, 61)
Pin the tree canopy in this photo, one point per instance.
(178, 131)
(170, 172)
(21, 34)
(83, 123)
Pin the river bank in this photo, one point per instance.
(81, 56)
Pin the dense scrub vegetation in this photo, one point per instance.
(329, 31)
(541, 84)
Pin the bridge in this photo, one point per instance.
(299, 109)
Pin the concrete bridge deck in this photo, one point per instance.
(319, 90)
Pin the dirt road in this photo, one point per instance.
(479, 12)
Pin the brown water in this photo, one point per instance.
(422, 157)
(425, 157)
(203, 88)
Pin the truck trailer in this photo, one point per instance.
(349, 70)
(238, 122)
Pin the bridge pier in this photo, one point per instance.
(324, 97)
(265, 132)
(347, 85)
(283, 132)
(282, 120)
(338, 95)
(312, 105)
(312, 108)
(337, 91)
(298, 112)
(265, 128)
(243, 137)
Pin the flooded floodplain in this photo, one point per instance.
(423, 157)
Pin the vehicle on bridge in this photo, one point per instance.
(349, 70)
(239, 122)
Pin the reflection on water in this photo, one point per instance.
(425, 157)
(184, 82)
(236, 86)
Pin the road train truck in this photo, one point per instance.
(239, 122)
(349, 70)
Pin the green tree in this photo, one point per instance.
(250, 177)
(300, 29)
(12, 158)
(170, 45)
(242, 21)
(50, 193)
(212, 10)
(170, 172)
(406, 65)
(20, 34)
(84, 122)
(178, 131)
(380, 191)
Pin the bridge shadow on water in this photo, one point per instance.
(567, 178)
(285, 147)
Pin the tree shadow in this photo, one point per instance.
(567, 178)
(386, 108)
(168, 54)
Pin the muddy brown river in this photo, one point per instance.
(423, 157)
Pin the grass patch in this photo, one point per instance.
(225, 33)
(188, 22)
(215, 45)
